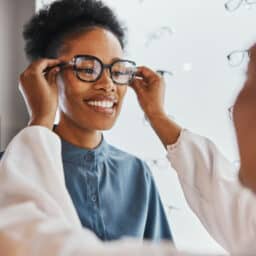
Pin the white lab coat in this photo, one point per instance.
(224, 207)
(37, 216)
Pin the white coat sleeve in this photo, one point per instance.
(224, 207)
(37, 216)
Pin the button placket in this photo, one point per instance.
(92, 160)
(93, 180)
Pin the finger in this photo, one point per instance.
(41, 64)
(147, 74)
(138, 84)
(52, 75)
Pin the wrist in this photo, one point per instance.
(42, 121)
(153, 116)
(167, 130)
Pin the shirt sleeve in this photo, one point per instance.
(224, 207)
(37, 216)
(157, 225)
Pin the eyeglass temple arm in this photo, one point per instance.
(164, 72)
(60, 65)
(159, 71)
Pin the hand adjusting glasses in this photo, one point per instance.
(89, 69)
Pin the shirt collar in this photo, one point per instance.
(78, 155)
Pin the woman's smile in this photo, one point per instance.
(102, 104)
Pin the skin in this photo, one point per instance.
(150, 90)
(245, 125)
(80, 123)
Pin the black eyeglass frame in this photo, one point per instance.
(73, 63)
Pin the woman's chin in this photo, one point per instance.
(97, 126)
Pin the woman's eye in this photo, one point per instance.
(119, 73)
(88, 70)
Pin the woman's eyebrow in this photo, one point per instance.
(116, 59)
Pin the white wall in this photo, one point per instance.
(13, 115)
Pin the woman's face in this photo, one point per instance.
(91, 105)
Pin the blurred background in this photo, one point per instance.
(201, 42)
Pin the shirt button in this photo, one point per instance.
(88, 157)
(94, 198)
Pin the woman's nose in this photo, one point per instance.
(105, 82)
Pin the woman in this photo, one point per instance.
(76, 48)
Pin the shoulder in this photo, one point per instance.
(132, 162)
(122, 155)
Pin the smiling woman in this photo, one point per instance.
(89, 104)
(78, 67)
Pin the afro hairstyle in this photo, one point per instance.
(45, 31)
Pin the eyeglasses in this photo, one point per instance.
(158, 33)
(89, 69)
(237, 57)
(233, 5)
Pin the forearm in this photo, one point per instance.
(46, 121)
(166, 129)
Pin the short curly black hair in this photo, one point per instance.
(46, 30)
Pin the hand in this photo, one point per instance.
(40, 92)
(150, 89)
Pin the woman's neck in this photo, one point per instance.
(76, 135)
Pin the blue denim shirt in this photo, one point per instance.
(114, 193)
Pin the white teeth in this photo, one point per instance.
(102, 104)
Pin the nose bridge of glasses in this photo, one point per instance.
(106, 76)
(106, 69)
